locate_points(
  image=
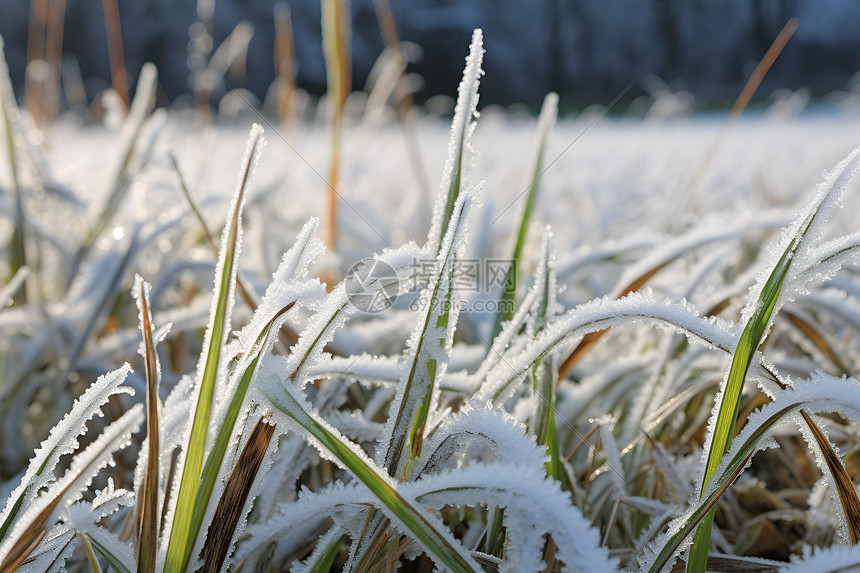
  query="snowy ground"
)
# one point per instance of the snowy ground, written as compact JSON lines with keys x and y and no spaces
{"x":605,"y":179}
{"x":617,"y":193}
{"x":602,"y":180}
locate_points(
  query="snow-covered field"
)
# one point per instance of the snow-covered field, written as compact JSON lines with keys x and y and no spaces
{"x":364,"y":436}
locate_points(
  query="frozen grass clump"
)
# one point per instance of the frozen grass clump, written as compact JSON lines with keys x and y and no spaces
{"x":647,"y":380}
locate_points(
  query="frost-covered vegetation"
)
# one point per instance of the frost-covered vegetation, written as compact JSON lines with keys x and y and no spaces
{"x":670,"y":359}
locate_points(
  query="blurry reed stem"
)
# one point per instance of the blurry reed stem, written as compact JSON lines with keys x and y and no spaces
{"x":113,"y":29}
{"x":35,"y":52}
{"x":286,"y":85}
{"x":743,"y":100}
{"x":54,"y":57}
{"x":336,"y":39}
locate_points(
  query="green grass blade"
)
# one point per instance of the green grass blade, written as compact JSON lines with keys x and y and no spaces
{"x":459,"y":147}
{"x":180,"y":546}
{"x":751,"y":338}
{"x":209,"y":474}
{"x":440,"y":545}
{"x":112,"y":560}
{"x":548,"y":113}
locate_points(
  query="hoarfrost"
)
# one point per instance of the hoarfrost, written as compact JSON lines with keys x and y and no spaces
{"x":801,"y":235}
{"x":61,"y":441}
{"x":636,"y":308}
{"x":831,"y":559}
{"x":504,"y":435}
{"x":460,"y":152}
{"x":534,"y":505}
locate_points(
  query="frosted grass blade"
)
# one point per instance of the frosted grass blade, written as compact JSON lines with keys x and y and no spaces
{"x":460,"y":152}
{"x":147,"y":505}
{"x":534,"y":506}
{"x":636,"y":308}
{"x":180,"y":545}
{"x":821,"y":394}
{"x":61,"y":441}
{"x":842,"y":481}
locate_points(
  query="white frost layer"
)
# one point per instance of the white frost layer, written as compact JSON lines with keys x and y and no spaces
{"x":61,"y":441}
{"x":533,"y":505}
{"x":636,"y":308}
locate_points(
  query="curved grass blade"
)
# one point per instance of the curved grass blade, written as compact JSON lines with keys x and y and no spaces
{"x":147,"y":506}
{"x":546,"y":121}
{"x":441,"y":545}
{"x":844,"y":485}
{"x":637,"y":308}
{"x":534,"y":507}
{"x":179,"y":546}
{"x":751,"y":338}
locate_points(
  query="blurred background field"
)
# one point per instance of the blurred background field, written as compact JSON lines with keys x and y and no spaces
{"x":587,"y":51}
